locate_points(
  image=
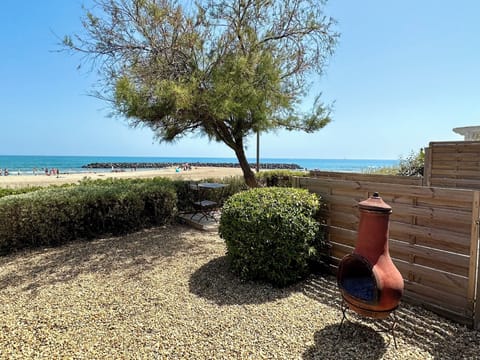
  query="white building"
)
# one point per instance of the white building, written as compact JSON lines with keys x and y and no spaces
{"x":470,"y":133}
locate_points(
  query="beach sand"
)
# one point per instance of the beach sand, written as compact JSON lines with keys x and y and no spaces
{"x":199,"y":173}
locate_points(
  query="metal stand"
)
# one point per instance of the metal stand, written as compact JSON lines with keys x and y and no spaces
{"x":390,"y":329}
{"x":206,"y":208}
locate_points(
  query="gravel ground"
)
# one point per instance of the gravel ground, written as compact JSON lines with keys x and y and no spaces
{"x":166,"y":293}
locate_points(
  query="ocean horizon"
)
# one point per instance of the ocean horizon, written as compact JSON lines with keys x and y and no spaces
{"x":29,"y":164}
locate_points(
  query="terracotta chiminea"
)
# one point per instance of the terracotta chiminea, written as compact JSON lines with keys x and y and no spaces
{"x":369,"y":282}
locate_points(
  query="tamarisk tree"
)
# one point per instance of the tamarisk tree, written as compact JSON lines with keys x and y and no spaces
{"x":222,"y":68}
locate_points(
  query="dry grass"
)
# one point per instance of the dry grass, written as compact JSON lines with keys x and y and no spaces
{"x":166,"y":293}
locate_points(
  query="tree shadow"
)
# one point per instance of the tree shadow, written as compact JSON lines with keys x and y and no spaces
{"x":414,"y":326}
{"x":132,"y":255}
{"x":214,"y":281}
{"x":352,"y":341}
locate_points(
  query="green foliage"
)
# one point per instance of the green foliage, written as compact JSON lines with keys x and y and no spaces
{"x":57,"y":215}
{"x":281,"y":178}
{"x":385,"y":170}
{"x":413,"y":164}
{"x":271,"y":234}
{"x":16,"y":191}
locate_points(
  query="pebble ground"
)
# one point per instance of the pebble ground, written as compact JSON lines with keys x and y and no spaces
{"x":166,"y":293}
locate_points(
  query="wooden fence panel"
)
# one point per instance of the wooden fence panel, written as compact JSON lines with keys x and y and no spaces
{"x":454,"y":164}
{"x":432,"y":239}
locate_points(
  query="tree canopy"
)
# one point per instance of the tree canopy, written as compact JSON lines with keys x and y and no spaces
{"x":225,"y":69}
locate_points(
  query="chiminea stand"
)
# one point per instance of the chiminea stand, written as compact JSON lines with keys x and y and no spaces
{"x":390,"y":329}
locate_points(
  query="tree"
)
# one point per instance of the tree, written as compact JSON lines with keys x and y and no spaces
{"x":221,"y":68}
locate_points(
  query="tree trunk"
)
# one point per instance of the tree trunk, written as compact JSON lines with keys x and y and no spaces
{"x":248,"y":174}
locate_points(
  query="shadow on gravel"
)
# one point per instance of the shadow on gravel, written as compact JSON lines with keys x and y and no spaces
{"x":353,"y":341}
{"x":129,"y":255}
{"x":415,"y":326}
{"x":215,"y":282}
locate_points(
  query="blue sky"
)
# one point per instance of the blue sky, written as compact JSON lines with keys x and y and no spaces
{"x":404,"y":73}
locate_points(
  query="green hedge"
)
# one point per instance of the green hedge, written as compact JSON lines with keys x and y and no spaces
{"x":43,"y":216}
{"x":17,"y":191}
{"x":281,"y":178}
{"x":272,"y":234}
{"x":57,"y":215}
{"x":39,"y":216}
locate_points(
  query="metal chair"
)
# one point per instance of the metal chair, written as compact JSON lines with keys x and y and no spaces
{"x":201,"y":206}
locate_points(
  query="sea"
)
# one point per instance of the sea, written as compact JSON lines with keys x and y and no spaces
{"x":31,"y":164}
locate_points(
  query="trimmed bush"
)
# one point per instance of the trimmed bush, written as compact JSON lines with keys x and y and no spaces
{"x":280,"y":178}
{"x":271,"y":233}
{"x":11,"y":191}
{"x":56,"y":215}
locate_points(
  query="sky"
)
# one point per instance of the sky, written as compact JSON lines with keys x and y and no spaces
{"x":404,"y":74}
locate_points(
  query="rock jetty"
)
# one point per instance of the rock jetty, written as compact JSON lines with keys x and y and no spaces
{"x":160,"y":165}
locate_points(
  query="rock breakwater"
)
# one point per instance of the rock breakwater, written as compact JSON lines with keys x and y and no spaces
{"x":161,"y":165}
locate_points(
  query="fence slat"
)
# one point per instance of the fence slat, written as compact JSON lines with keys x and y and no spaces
{"x":441,"y":239}
{"x":437,"y":297}
{"x":430,"y":257}
{"x":473,"y":285}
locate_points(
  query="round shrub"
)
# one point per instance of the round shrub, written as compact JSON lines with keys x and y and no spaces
{"x":270,"y":232}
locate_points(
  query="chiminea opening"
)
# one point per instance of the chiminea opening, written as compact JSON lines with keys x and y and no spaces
{"x":357,"y":278}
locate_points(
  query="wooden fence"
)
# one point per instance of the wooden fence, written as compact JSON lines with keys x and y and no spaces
{"x":453,"y":164}
{"x":434,"y":235}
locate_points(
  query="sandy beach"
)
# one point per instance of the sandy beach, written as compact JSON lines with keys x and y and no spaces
{"x":16,"y":181}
